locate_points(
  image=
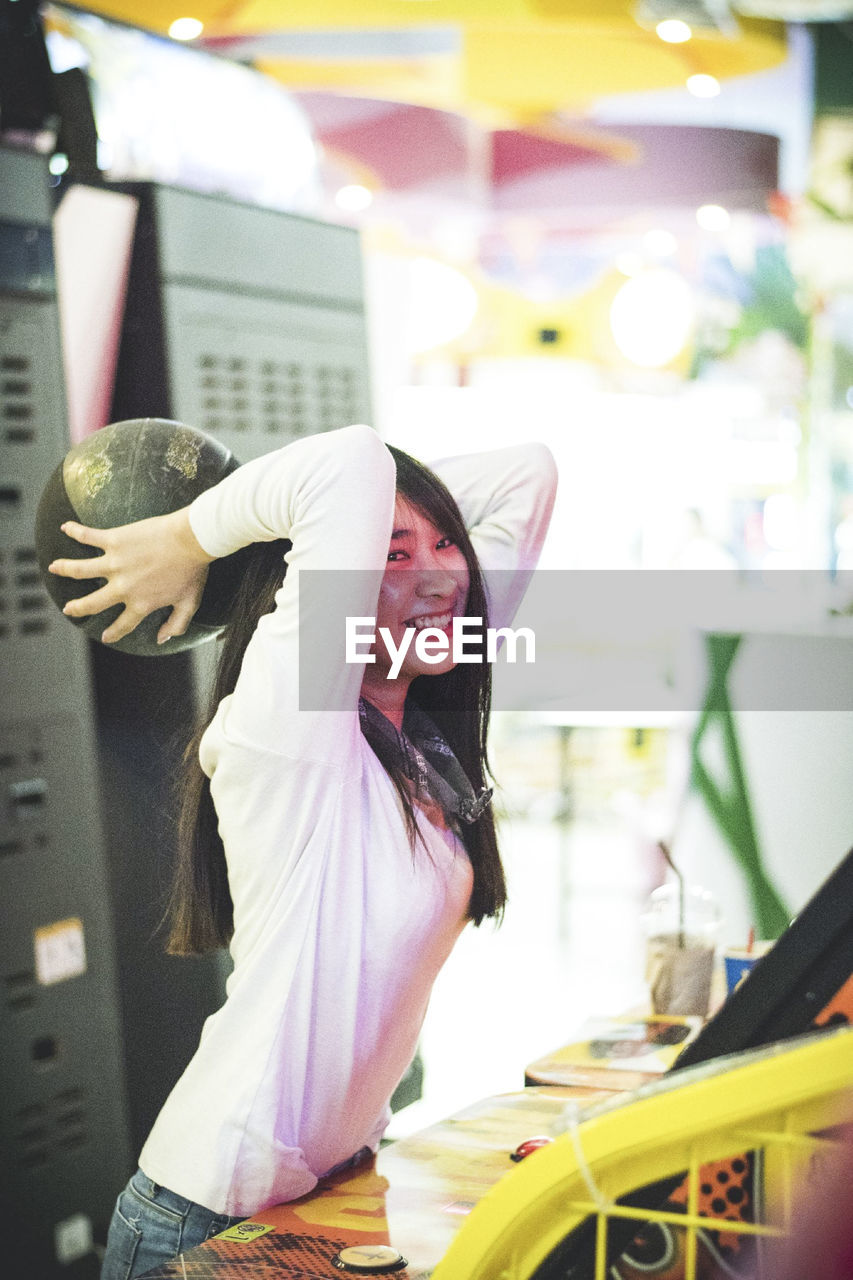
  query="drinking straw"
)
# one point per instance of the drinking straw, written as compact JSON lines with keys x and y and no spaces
{"x":750,"y":942}
{"x":681,"y":894}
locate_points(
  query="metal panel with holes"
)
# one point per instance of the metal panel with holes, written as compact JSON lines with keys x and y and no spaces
{"x":63,"y":1122}
{"x":37,"y":652}
{"x":62,"y":1114}
{"x":32,"y":415}
{"x":266,"y":372}
{"x":245,"y":322}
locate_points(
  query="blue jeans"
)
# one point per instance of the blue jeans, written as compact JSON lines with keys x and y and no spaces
{"x":151,"y":1225}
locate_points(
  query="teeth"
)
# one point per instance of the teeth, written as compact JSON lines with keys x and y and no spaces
{"x":438,"y":620}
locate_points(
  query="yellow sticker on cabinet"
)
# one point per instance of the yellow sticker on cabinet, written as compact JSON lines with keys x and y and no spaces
{"x":245,"y":1231}
{"x":60,"y":951}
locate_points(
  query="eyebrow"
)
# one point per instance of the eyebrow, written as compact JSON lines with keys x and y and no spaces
{"x":401,"y":533}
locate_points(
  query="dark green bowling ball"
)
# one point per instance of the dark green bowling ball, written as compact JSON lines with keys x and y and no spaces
{"x":129,"y":471}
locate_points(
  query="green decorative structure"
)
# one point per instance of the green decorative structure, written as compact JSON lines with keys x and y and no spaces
{"x":728,"y":802}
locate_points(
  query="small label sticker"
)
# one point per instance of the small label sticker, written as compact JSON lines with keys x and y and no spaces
{"x":245,"y":1231}
{"x":60,"y":951}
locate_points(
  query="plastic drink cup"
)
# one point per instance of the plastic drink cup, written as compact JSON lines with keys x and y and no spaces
{"x":739,"y":961}
{"x":681,"y":931}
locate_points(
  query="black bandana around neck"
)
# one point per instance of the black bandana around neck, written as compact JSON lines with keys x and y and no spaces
{"x":427,"y":759}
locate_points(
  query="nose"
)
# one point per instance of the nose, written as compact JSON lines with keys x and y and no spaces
{"x":435,"y":581}
{"x":435,"y":577}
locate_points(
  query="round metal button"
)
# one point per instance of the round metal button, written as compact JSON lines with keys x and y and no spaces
{"x":369,"y":1259}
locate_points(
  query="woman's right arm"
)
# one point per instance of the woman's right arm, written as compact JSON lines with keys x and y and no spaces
{"x":332,"y":496}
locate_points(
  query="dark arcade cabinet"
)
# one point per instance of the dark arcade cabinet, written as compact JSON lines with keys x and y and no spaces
{"x":248,"y":323}
{"x":63,"y":1116}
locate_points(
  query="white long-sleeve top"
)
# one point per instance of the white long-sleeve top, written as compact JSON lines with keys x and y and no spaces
{"x":340,"y":928}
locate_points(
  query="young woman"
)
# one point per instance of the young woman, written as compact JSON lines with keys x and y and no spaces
{"x":337,"y":841}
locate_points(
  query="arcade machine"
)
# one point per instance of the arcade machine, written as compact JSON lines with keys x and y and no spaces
{"x":63,"y":1119}
{"x":702,"y":1173}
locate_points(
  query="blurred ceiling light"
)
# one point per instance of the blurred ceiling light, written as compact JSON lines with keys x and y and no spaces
{"x":713,"y":217}
{"x":673,"y":31}
{"x":353,"y":198}
{"x":651,"y":317}
{"x":186,"y":29}
{"x":660,"y":243}
{"x":58,"y":163}
{"x":442,"y":304}
{"x":702,"y":86}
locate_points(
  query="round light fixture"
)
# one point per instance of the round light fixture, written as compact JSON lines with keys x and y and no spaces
{"x":442,"y":304}
{"x":651,"y":317}
{"x":353,"y":198}
{"x":713,"y":217}
{"x":186,"y":29}
{"x":702,"y":86}
{"x":673,"y":31}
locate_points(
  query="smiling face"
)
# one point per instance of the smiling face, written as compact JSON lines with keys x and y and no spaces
{"x":425,"y":585}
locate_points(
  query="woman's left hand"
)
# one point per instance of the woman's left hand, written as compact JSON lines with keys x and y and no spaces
{"x":147,"y":565}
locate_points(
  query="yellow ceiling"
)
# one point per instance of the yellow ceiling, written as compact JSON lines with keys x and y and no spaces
{"x":517,"y":59}
{"x":229,"y":16}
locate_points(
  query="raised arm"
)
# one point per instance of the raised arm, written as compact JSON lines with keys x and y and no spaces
{"x":332,"y":496}
{"x":506,"y":497}
{"x":314,"y":492}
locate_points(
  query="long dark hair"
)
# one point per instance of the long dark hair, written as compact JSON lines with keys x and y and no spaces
{"x":200,"y":910}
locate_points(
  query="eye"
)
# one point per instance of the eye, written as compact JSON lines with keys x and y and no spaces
{"x":443,"y":543}
{"x":393,"y":556}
